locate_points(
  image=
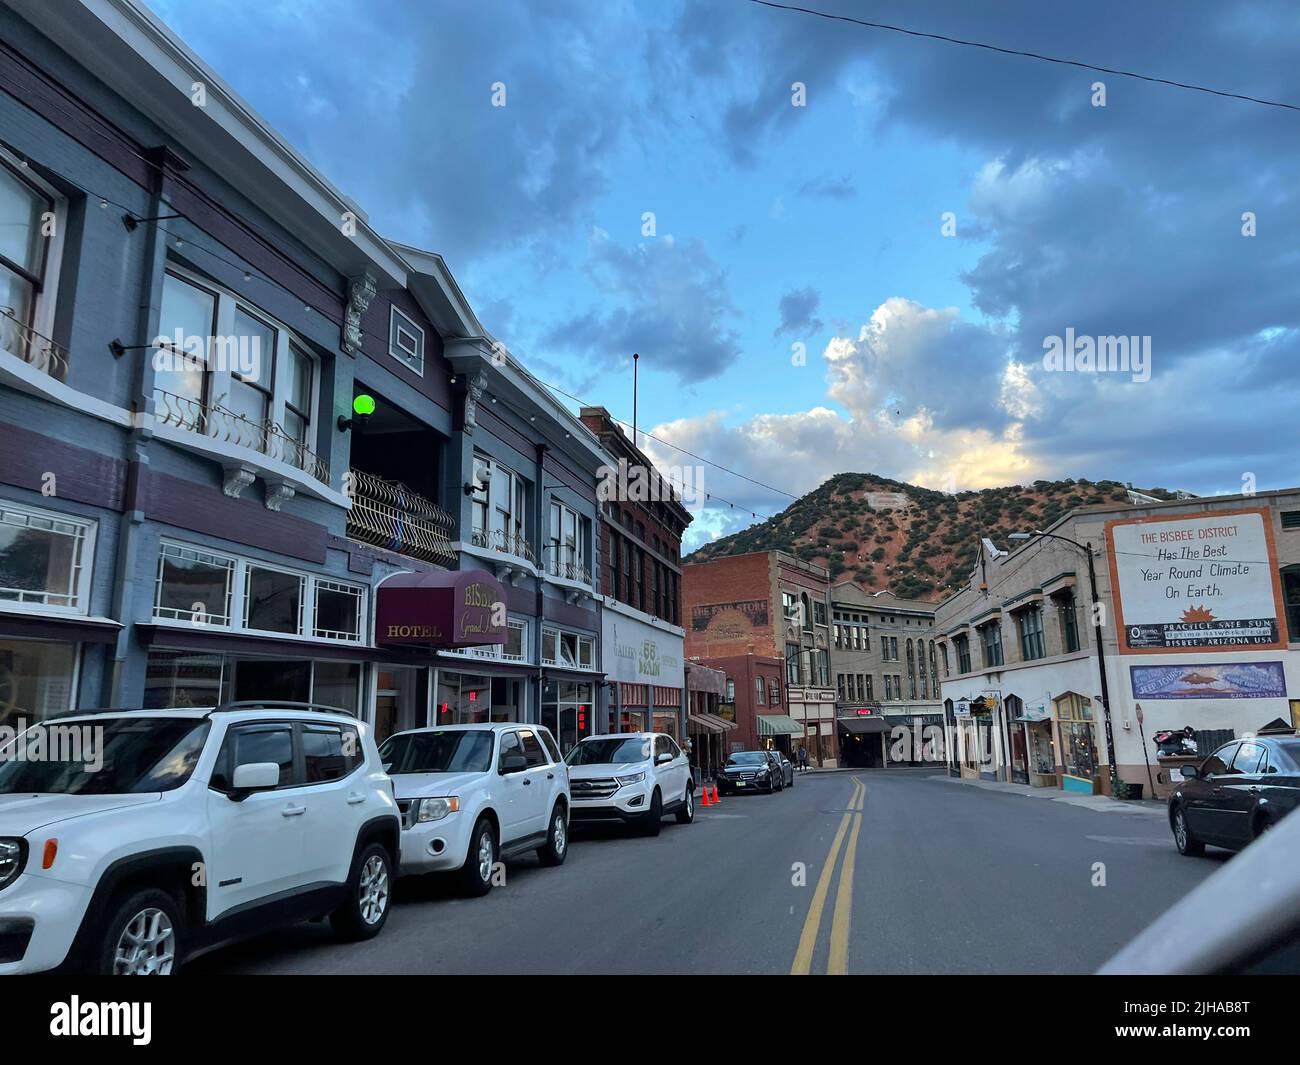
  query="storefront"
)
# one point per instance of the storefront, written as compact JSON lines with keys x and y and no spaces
{"x":645,"y":663}
{"x":568,"y":710}
{"x":1078,"y":744}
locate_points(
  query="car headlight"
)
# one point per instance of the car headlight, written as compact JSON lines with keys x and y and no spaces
{"x":631,"y":778}
{"x":12,"y":854}
{"x":437,"y":809}
{"x":761,"y":773}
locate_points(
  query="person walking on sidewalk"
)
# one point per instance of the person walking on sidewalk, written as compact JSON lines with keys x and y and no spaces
{"x":803,"y":759}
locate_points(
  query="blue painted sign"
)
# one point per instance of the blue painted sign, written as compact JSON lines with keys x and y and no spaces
{"x":1252,"y":680}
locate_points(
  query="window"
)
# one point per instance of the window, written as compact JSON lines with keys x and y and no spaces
{"x":1065,"y":605}
{"x":567,"y":544}
{"x":37,"y":679}
{"x":819,"y":612}
{"x":1291,"y":594}
{"x":533,"y":750}
{"x":962,"y":643}
{"x":1249,"y":758}
{"x":513,"y":649}
{"x":1030,"y":624}
{"x":568,"y":649}
{"x":638,"y":579}
{"x":731,"y":690}
{"x":793,"y":672}
{"x":615,"y":570}
{"x":26,"y":263}
{"x":45,"y":559}
{"x":405,"y":341}
{"x":194,"y":585}
{"x":822,"y":660}
{"x":338,"y":611}
{"x":273,"y":601}
{"x":327,"y":754}
{"x":789,"y":605}
{"x":911,"y":672}
{"x":774,"y":692}
{"x":805,"y":612}
{"x":991,"y":642}
{"x":870,"y":695}
{"x":224,"y":369}
{"x":510,"y":745}
{"x":759,"y":691}
{"x":254,"y":743}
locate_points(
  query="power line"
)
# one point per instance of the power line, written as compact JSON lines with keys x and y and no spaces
{"x":1026,"y":55}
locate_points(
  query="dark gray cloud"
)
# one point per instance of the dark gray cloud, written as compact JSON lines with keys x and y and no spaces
{"x":799,"y":313}
{"x":665,"y":299}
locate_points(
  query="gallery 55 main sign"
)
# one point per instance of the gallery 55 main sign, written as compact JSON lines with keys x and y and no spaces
{"x":1196,"y":582}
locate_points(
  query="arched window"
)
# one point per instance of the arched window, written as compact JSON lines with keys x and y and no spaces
{"x":805,"y":610}
{"x":920,"y":669}
{"x":911,"y":672}
{"x":934,"y":673}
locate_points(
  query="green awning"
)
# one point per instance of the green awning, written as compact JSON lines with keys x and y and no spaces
{"x":779,"y":725}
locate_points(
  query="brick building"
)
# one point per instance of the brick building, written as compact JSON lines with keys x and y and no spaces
{"x":775,"y":609}
{"x":640,"y":532}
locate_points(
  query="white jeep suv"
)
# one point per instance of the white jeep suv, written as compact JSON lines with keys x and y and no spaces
{"x":130,"y":839}
{"x":635,"y":777}
{"x":471,"y":795}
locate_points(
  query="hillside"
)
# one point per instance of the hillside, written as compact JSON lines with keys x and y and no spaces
{"x":916,"y":542}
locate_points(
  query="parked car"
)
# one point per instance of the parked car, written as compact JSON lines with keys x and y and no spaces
{"x":746,"y":771}
{"x":151,"y":835}
{"x":635,"y":777}
{"x":1236,"y":794}
{"x":472,"y":795}
{"x":784,"y":769}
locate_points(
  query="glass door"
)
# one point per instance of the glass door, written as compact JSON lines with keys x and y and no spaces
{"x":401,"y":700}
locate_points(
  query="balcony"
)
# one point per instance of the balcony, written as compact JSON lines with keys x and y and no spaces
{"x":568,"y":569}
{"x":37,"y":351}
{"x":387,"y":514}
{"x":224,"y":426}
{"x":505,"y":542}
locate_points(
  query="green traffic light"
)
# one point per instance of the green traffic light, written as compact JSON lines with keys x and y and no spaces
{"x":363,"y":405}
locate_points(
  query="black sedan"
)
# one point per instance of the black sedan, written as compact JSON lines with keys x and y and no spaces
{"x":746,"y":771}
{"x":1240,"y":791}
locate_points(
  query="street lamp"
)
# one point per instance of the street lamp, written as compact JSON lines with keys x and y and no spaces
{"x":1086,"y":548}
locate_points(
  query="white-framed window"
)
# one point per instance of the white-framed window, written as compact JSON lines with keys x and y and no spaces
{"x":515,"y":649}
{"x":498,"y":506}
{"x":569,"y":649}
{"x":224,"y":368}
{"x":32,"y":217}
{"x":405,"y":340}
{"x":212,"y":588}
{"x":567,"y":542}
{"x":45,"y":559}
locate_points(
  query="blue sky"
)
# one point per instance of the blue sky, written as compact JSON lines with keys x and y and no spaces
{"x":821,"y":224}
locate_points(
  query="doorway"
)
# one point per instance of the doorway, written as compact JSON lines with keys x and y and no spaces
{"x":401,"y":700}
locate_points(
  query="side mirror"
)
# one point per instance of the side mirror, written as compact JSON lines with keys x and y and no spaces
{"x":253,"y":776}
{"x":663,"y":759}
{"x":1190,"y":772}
{"x":513,"y":763}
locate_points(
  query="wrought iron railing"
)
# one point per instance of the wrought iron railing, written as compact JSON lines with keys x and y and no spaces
{"x":505,"y":542}
{"x":390,"y":515}
{"x":217,"y":423}
{"x":568,"y":568}
{"x":30,"y":346}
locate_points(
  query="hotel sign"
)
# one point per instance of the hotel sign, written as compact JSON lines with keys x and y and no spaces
{"x":465,"y":609}
{"x":1196,"y":582}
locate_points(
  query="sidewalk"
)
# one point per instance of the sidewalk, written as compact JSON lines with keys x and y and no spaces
{"x":1100,"y":803}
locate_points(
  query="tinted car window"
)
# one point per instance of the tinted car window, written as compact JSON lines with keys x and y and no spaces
{"x":1217,"y":764}
{"x":533,"y":749}
{"x":549,"y":742}
{"x":661,"y":746}
{"x":461,"y":751}
{"x":325,"y":752}
{"x":509,"y":745}
{"x":255,"y":743}
{"x":609,"y":751}
{"x":1249,"y":758}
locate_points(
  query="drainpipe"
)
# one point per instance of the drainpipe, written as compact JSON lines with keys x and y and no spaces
{"x":115,"y":683}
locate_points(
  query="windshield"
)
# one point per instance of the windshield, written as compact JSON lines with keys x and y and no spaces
{"x":610,"y":751}
{"x":747,"y":758}
{"x":468,"y":751}
{"x":113,"y":756}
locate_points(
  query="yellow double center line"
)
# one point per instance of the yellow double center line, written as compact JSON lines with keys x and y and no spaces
{"x":837,"y":964}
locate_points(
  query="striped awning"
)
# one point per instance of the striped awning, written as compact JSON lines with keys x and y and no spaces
{"x":779,"y":725}
{"x":709,"y":723}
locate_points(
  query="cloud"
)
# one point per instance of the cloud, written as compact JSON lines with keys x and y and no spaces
{"x":665,"y":299}
{"x":799,"y":313}
{"x":828,"y":188}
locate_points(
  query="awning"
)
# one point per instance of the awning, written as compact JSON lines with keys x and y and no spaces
{"x":709,"y":723}
{"x":56,"y":627}
{"x":779,"y":725}
{"x":441,"y":609}
{"x":863,"y":726}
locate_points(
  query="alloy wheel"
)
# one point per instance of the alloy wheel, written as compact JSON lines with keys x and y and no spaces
{"x":374,"y":889}
{"x":560,"y":833}
{"x":485,"y":856}
{"x":147,"y":945}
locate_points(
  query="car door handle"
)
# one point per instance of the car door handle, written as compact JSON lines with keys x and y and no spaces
{"x":527,"y":782}
{"x":293,"y":811}
{"x":1255,"y":788}
{"x":354,"y":798}
{"x":550,"y":776}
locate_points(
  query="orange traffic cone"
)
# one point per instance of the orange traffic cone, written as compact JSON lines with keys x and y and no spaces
{"x":705,"y":801}
{"x":716,"y":800}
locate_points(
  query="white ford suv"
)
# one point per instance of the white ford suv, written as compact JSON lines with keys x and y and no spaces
{"x":130,"y":839}
{"x":635,"y":777}
{"x":471,"y":795}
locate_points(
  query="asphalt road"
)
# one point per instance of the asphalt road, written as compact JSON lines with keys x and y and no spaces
{"x":926,"y":876}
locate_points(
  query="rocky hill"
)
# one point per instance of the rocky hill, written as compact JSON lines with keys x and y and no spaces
{"x":916,"y":542}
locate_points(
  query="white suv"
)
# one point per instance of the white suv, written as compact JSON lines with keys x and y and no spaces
{"x":130,"y":839}
{"x":471,"y":795}
{"x":635,"y":777}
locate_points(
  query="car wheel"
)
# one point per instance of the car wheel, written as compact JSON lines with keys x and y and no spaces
{"x":370,"y":892}
{"x":1183,"y":839}
{"x":476,"y":874}
{"x":143,"y":938}
{"x":686,"y":812}
{"x":654,"y":817}
{"x":557,"y":839}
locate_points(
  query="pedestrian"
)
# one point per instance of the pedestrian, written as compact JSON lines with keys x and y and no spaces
{"x":803,"y":758}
